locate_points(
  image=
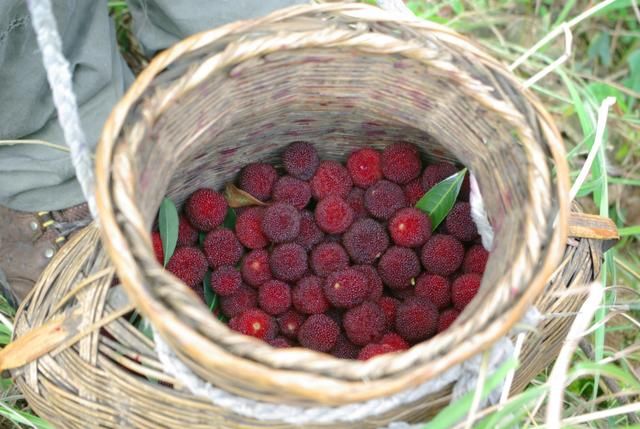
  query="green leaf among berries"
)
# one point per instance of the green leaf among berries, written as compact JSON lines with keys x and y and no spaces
{"x":168,"y":222}
{"x":210,"y":297}
{"x":439,"y":201}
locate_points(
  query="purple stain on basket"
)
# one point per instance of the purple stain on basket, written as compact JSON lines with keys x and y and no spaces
{"x":420,"y":99}
{"x":262,"y":129}
{"x":304,"y":121}
{"x":317,"y":59}
{"x":401,"y":64}
{"x":281,"y":93}
{"x":294,"y":133}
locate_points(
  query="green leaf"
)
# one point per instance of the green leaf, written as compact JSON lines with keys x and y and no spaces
{"x":455,"y":411}
{"x":210,"y":297}
{"x":201,"y":237}
{"x":230,"y":219}
{"x":629,"y":230}
{"x":168,"y":222}
{"x":437,"y":203}
{"x":145,"y":327}
{"x":600,"y":48}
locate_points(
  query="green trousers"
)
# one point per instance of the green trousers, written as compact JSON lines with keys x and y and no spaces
{"x":35,"y":177}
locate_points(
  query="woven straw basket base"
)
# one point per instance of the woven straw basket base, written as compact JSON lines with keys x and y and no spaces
{"x":340,"y":76}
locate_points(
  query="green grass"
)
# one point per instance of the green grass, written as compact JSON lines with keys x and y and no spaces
{"x":605,"y":62}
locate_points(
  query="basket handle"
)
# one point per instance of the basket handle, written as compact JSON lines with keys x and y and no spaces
{"x":583,"y":225}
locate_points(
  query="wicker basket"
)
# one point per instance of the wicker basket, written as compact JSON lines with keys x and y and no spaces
{"x":340,"y":76}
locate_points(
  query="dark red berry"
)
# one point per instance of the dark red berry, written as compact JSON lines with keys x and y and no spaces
{"x":256,"y":323}
{"x":293,"y":191}
{"x":255,"y":267}
{"x":301,"y":160}
{"x":365,"y":167}
{"x":346,"y":288}
{"x":310,"y":233}
{"x":365,"y":241}
{"x":383,"y":199}
{"x":318,"y":332}
{"x":290,"y":322}
{"x":288,"y":262}
{"x":187,"y":234}
{"x":156,"y":241}
{"x":281,"y":222}
{"x":394,"y":341}
{"x":206,"y":209}
{"x":331,"y":178}
{"x":327,"y":258}
{"x":464,"y":289}
{"x":244,"y":299}
{"x":446,"y":319}
{"x":333,"y":215}
{"x":416,"y":319}
{"x":274,"y":297}
{"x":399,"y":267}
{"x":375,"y":282}
{"x":435,"y":288}
{"x":475,"y":260}
{"x":249,"y":228}
{"x":372,"y":350}
{"x":345,"y":349}
{"x":355,"y":199}
{"x":436,"y":173}
{"x":401,"y":163}
{"x":413,"y":191}
{"x":460,"y":224}
{"x":222,"y":248}
{"x":226,"y":280}
{"x":189,"y":265}
{"x":258,"y":179}
{"x":308,"y":296}
{"x":389,"y":307}
{"x":442,"y":254}
{"x":364,"y":324}
{"x":410,"y":227}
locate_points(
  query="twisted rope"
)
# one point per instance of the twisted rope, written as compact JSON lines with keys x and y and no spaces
{"x":59,"y":77}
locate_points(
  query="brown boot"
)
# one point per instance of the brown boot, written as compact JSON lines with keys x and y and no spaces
{"x":28,"y":241}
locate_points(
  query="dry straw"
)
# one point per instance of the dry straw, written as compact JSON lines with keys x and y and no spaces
{"x":340,"y":76}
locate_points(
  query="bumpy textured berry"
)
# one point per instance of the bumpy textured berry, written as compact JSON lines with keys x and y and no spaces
{"x":375,"y":282}
{"x":187,"y":234}
{"x":446,"y":319}
{"x":436,"y":173}
{"x":365,"y":241}
{"x":465,"y":188}
{"x":279,"y":343}
{"x":333,"y":215}
{"x":475,"y":260}
{"x":249,"y":228}
{"x":156,"y":241}
{"x":389,"y":307}
{"x":442,"y":254}
{"x":416,"y":319}
{"x":222,"y":248}
{"x":383,"y":199}
{"x":401,"y":163}
{"x":301,"y":160}
{"x":189,"y":265}
{"x":310,"y":234}
{"x":258,"y":179}
{"x":327,"y":258}
{"x":413,"y":191}
{"x":255,"y":267}
{"x":256,"y":323}
{"x":281,"y":222}
{"x":364,"y":324}
{"x":319,"y":332}
{"x":460,"y":224}
{"x":464,"y":289}
{"x":345,"y":349}
{"x":435,"y":288}
{"x":371,"y":350}
{"x":274,"y":297}
{"x":308,"y":296}
{"x":226,"y":280}
{"x":398,"y":267}
{"x":290,"y":323}
{"x":394,"y":341}
{"x":355,"y":199}
{"x":293,"y":191}
{"x":365,"y":167}
{"x":206,"y":209}
{"x":244,"y":299}
{"x":410,"y":227}
{"x":346,"y":288}
{"x":331,"y":178}
{"x":288,"y":262}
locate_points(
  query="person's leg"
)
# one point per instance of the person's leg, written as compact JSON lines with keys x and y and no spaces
{"x":37,"y":178}
{"x":160,"y":23}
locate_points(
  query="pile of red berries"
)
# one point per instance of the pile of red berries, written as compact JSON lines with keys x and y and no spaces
{"x":339,"y":260}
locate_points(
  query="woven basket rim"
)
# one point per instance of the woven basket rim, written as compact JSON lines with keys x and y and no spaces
{"x":116,"y":243}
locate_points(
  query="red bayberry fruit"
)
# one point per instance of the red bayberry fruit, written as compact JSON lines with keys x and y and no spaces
{"x":279,"y":343}
{"x":308,"y":296}
{"x":244,"y":299}
{"x":413,"y":191}
{"x":256,"y":323}
{"x":249,"y":228}
{"x":416,"y":319}
{"x":319,"y":332}
{"x":281,"y":222}
{"x":355,"y":199}
{"x":333,"y":215}
{"x":375,"y":282}
{"x":327,"y":258}
{"x":410,"y":227}
{"x":331,"y":178}
{"x":398,"y":267}
{"x":189,"y":265}
{"x":310,"y":233}
{"x":288,"y":262}
{"x":365,"y":241}
{"x":225,"y":280}
{"x":301,"y":160}
{"x":206,"y":209}
{"x":346,"y":288}
{"x":389,"y":307}
{"x":460,"y":224}
{"x":290,"y":322}
{"x":401,"y":163}
{"x":274,"y":297}
{"x":365,"y":167}
{"x":383,"y":199}
{"x":187,"y":234}
{"x":293,"y":191}
{"x":345,"y":349}
{"x":475,"y":260}
{"x":442,"y":254}
{"x":446,"y":319}
{"x":255,"y":267}
{"x":371,"y":350}
{"x":156,"y":241}
{"x":222,"y":248}
{"x":364,"y":324}
{"x":258,"y":179}
{"x":394,"y":341}
{"x":436,"y":173}
{"x":464,"y":289}
{"x":435,"y":288}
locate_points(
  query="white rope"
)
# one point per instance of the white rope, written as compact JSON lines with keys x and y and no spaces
{"x":59,"y":77}
{"x":479,"y":214}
